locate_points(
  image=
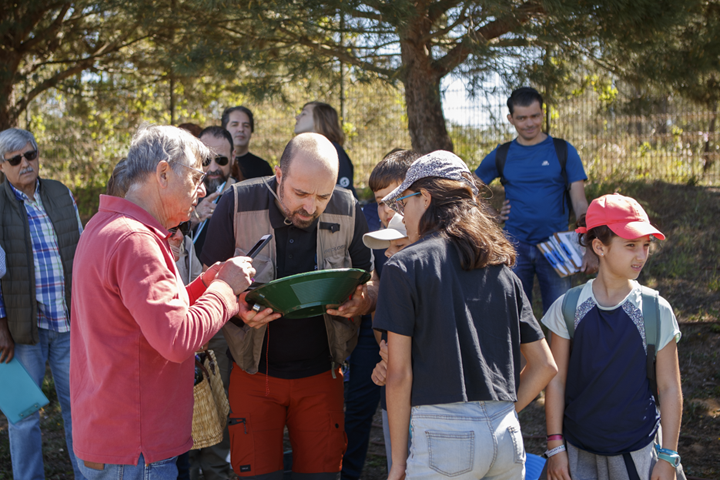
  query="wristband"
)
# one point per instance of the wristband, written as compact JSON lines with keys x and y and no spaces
{"x":554,"y":451}
{"x":670,"y":456}
{"x":554,"y":436}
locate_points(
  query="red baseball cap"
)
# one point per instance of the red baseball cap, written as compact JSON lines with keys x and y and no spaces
{"x":623,"y":215}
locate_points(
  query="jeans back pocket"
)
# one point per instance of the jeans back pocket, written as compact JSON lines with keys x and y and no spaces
{"x":519,"y":446}
{"x":451,"y":453}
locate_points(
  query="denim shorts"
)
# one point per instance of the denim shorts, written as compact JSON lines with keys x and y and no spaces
{"x":466,"y":441}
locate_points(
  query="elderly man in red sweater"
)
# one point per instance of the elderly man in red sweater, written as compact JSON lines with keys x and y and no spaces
{"x":136,"y":326}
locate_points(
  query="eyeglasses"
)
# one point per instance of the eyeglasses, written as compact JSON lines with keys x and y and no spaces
{"x":183,"y":227}
{"x":30,"y":156}
{"x":221,"y":160}
{"x":399,"y":205}
{"x":202,"y":174}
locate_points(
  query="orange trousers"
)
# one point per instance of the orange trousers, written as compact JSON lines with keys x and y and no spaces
{"x":311,"y":408}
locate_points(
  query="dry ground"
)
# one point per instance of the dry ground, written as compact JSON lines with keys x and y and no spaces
{"x":685,"y":269}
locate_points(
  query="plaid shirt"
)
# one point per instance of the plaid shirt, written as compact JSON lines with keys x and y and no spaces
{"x":53,"y":312}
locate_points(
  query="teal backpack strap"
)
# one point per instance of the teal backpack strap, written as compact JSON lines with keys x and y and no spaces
{"x":651,"y":319}
{"x":569,"y":305}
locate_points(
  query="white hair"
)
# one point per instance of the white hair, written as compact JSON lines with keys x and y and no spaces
{"x":152,"y":144}
{"x":14,"y":139}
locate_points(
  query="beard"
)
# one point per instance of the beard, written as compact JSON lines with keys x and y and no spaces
{"x":294,"y":215}
{"x":212,"y":184}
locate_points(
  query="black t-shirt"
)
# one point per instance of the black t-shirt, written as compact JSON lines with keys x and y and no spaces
{"x":298,"y":348}
{"x":346,"y":171}
{"x":466,"y":326}
{"x":252,"y":166}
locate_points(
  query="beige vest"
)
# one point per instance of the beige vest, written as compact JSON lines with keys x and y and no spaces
{"x":335,"y":232}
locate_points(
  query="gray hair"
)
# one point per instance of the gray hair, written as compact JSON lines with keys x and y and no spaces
{"x":14,"y":139}
{"x":152,"y":144}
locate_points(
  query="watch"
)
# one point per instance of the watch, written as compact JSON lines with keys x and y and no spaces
{"x":670,"y":456}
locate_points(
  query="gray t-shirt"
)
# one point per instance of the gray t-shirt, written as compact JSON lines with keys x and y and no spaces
{"x":466,"y":326}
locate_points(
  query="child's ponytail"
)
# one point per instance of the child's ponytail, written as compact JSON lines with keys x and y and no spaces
{"x":602,"y":233}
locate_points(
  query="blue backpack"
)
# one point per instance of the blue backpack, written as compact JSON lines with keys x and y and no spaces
{"x":651,"y":319}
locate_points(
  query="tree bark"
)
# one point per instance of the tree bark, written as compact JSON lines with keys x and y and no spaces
{"x":426,"y":121}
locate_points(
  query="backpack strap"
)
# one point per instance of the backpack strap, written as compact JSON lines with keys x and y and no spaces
{"x":569,"y":306}
{"x":561,"y":150}
{"x":500,"y":158}
{"x":651,"y":319}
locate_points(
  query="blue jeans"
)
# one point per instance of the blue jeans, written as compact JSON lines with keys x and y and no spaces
{"x":25,"y":438}
{"x":161,"y":470}
{"x":531,"y":262}
{"x":361,"y":400}
{"x":466,"y":441}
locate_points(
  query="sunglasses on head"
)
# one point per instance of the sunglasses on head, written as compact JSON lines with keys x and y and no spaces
{"x":30,"y":156}
{"x":220,"y":160}
{"x":183,"y":227}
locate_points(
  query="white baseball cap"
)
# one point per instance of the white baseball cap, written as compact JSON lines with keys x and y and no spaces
{"x":380,"y":239}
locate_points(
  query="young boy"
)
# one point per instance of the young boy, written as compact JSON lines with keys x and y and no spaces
{"x":362,"y":395}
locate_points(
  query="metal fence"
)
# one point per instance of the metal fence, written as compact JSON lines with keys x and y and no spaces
{"x":679,"y":145}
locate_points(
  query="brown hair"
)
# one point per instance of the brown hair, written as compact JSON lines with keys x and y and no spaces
{"x":602,"y":233}
{"x":392,"y":169}
{"x":326,"y":121}
{"x":193,"y":128}
{"x":466,"y":220}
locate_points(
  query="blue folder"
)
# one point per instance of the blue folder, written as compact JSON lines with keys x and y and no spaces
{"x":20,"y":397}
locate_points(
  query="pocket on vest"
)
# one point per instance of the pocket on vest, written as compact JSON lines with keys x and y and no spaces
{"x":264,"y":270}
{"x":342,"y":260}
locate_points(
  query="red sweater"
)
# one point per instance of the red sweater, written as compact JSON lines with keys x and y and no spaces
{"x":133,"y":339}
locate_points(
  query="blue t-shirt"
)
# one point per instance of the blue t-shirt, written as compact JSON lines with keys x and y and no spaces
{"x":535,"y":188}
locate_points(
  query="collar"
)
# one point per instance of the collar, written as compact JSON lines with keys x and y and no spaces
{"x":21,"y":196}
{"x":127,"y":208}
{"x":277,"y":217}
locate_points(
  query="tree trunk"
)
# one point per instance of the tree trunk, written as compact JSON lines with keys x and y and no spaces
{"x":423,"y":101}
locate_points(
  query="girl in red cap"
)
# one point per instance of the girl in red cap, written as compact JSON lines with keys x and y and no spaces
{"x":611,"y":413}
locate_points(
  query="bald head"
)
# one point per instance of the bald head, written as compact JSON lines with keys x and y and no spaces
{"x":310,"y":150}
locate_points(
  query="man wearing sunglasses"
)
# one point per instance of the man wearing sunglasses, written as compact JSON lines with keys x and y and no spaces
{"x":212,"y":460}
{"x":218,"y":167}
{"x":40,"y":232}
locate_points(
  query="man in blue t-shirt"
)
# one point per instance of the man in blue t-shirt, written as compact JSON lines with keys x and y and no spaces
{"x":535,"y":206}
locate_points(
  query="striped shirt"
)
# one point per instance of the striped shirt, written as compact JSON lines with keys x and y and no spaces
{"x":53,"y":311}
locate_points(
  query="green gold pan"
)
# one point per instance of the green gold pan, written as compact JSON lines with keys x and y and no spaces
{"x":309,"y":294}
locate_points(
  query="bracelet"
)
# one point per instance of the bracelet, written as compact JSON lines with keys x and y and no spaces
{"x":670,"y":456}
{"x":554,"y":451}
{"x":554,"y":436}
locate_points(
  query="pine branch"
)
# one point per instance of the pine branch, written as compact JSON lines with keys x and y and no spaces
{"x":487,"y":32}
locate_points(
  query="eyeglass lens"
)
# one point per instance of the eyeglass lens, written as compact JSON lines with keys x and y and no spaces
{"x":15,"y":161}
{"x":221,"y":160}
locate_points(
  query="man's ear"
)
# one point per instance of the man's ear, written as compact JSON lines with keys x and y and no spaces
{"x":162,"y":173}
{"x":278,"y":174}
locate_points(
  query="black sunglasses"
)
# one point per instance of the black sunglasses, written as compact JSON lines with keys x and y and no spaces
{"x":220,"y":160}
{"x":15,"y":161}
{"x":183,"y":227}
